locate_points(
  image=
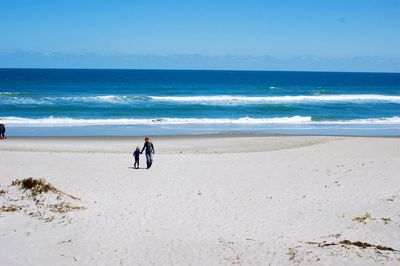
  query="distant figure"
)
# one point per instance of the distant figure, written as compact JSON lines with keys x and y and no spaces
{"x":149,"y":147}
{"x":136,"y":154}
{"x":2,"y":131}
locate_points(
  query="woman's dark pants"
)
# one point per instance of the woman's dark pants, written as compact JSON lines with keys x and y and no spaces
{"x":149,"y":159}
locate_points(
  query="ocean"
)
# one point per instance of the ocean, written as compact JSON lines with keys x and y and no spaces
{"x":72,"y":102}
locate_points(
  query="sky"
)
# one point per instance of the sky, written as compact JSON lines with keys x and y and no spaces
{"x":331,"y":35}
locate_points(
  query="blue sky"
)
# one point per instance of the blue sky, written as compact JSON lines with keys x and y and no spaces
{"x":352,"y":35}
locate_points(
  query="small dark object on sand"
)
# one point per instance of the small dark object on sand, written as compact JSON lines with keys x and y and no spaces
{"x":350,"y":243}
{"x":366,"y":245}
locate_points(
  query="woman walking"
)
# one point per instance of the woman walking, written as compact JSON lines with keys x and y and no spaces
{"x":149,"y":147}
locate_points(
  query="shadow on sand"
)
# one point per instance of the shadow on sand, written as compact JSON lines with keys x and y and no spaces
{"x":140,"y":168}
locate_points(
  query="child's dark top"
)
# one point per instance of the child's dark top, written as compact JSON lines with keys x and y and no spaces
{"x":136,"y":154}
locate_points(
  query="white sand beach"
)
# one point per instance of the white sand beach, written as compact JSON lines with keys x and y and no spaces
{"x":207,"y":200}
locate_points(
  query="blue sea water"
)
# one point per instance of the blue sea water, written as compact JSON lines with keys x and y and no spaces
{"x":153,"y":102}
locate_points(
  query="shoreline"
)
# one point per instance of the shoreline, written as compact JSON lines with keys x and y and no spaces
{"x":193,"y":136}
{"x":173,"y":144}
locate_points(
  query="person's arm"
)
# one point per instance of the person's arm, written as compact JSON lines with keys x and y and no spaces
{"x":152,"y":146}
{"x":143,"y":148}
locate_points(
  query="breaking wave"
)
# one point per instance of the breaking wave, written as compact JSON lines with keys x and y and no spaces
{"x":229,"y":99}
{"x":11,"y":98}
{"x":59,"y":121}
{"x":6,"y":98}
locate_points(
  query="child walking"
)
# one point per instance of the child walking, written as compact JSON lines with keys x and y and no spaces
{"x":136,"y":154}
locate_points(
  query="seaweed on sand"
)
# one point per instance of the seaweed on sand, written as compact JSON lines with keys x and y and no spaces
{"x":386,"y":220}
{"x":342,"y":248}
{"x":363,"y":218}
{"x":359,"y":244}
{"x":367,"y":245}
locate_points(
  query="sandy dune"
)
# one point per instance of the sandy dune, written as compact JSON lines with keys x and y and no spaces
{"x":214,"y":200}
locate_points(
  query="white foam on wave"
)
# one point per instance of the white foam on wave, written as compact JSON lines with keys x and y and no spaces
{"x":116,"y":99}
{"x":21,"y":100}
{"x":230,"y":99}
{"x":8,"y":93}
{"x":98,"y":99}
{"x":208,"y":100}
{"x":54,"y":121}
{"x":365,"y":121}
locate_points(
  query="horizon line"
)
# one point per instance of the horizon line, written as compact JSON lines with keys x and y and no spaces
{"x":194,"y":69}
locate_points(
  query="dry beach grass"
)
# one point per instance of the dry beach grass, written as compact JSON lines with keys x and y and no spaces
{"x":37,"y":198}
